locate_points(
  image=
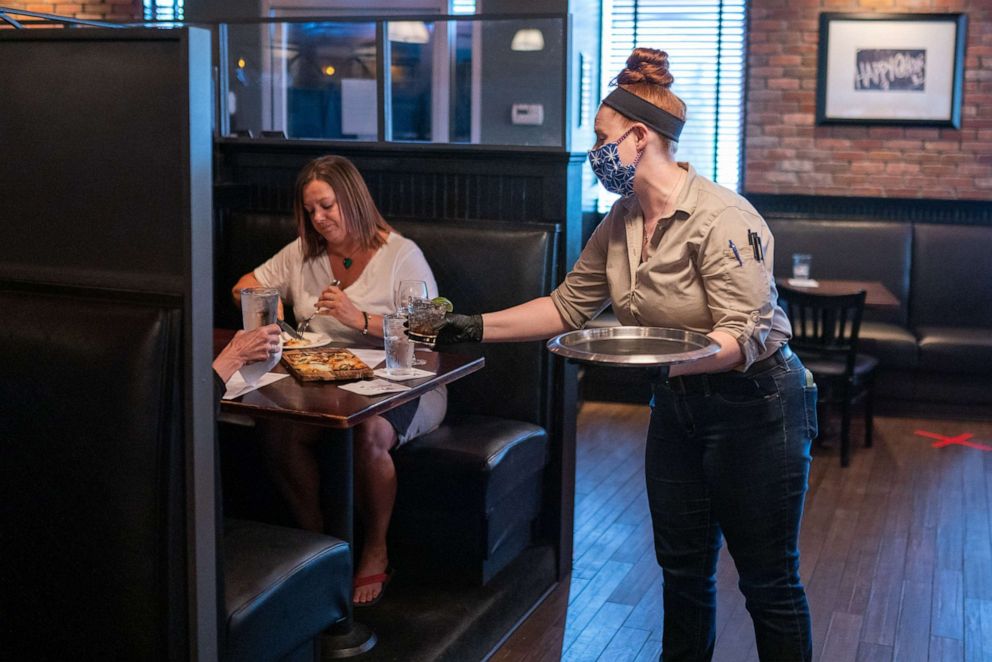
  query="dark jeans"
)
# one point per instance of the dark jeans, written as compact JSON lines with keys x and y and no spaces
{"x":729,"y":453}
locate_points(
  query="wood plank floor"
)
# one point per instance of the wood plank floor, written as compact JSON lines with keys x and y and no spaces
{"x":896,"y":552}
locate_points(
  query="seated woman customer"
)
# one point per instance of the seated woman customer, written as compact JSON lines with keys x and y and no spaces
{"x":346,"y":264}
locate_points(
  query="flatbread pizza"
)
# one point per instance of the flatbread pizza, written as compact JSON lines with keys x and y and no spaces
{"x":326,"y":364}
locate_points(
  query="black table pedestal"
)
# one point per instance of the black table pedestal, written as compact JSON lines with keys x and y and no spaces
{"x":336,"y":460}
{"x":346,"y":640}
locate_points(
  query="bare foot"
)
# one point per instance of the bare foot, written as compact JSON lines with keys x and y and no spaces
{"x":374,"y":561}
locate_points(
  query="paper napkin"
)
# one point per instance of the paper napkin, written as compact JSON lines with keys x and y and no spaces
{"x":373,"y":387}
{"x":414,"y":373}
{"x":236,"y":386}
{"x":371,"y":357}
{"x":804,"y":282}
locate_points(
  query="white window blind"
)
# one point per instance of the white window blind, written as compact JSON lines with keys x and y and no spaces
{"x":163,"y":10}
{"x":704,"y":40}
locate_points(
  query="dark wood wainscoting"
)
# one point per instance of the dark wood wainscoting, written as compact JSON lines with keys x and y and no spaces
{"x":962,"y":212}
{"x":419,"y":181}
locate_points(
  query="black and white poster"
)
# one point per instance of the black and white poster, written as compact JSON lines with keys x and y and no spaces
{"x":899,"y":69}
{"x":891,"y":69}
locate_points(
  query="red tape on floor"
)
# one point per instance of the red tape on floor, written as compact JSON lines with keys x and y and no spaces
{"x":960,"y":440}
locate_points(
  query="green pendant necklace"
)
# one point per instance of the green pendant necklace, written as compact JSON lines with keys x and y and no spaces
{"x":347,"y":263}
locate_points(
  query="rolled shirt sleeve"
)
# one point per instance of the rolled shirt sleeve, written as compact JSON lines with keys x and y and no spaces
{"x":585,"y":292}
{"x":739,"y":288}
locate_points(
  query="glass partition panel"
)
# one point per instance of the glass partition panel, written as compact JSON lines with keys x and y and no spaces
{"x":303,"y":80}
{"x":412,"y":47}
{"x":483,"y":81}
{"x":518,"y":66}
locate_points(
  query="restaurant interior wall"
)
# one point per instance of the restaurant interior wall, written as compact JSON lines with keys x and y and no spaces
{"x":104,"y":10}
{"x":786,"y":153}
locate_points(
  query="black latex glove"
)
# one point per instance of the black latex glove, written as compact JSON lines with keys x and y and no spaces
{"x":460,"y":328}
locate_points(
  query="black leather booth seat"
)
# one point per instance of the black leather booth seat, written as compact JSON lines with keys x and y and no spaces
{"x":272,"y":578}
{"x":864,"y":251}
{"x":937,"y":346}
{"x":952,"y":298}
{"x":469,"y":492}
{"x":93,"y":466}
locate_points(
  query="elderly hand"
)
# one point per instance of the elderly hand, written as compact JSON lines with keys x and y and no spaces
{"x":247,"y":347}
{"x":334,"y":302}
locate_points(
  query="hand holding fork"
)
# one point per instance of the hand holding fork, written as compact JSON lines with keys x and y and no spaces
{"x":302,"y":326}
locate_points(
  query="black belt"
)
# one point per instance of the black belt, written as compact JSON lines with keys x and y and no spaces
{"x":708,"y":382}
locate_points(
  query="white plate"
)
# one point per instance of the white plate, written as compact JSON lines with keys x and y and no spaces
{"x":316,"y":340}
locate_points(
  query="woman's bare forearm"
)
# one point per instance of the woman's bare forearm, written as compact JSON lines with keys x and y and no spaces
{"x":535,"y":320}
{"x":729,"y":357}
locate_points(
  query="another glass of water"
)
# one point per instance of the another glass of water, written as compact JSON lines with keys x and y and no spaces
{"x":399,"y":348}
{"x":802,"y":264}
{"x":259,"y":306}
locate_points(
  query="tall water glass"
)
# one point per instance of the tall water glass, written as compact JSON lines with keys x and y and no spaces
{"x":801,"y":265}
{"x":259,"y":306}
{"x":399,"y":348}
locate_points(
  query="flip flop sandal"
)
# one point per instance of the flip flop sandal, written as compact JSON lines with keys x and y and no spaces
{"x":384,"y":578}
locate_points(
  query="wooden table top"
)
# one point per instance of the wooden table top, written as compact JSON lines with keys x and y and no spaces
{"x":324,"y":404}
{"x":876,"y":294}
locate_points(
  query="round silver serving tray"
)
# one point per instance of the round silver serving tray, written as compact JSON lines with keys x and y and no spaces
{"x":633,"y":346}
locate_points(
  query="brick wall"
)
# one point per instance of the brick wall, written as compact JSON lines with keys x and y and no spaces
{"x":786,"y":152}
{"x":102,"y":10}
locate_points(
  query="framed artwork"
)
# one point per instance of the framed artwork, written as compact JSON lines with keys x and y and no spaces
{"x":897,"y":69}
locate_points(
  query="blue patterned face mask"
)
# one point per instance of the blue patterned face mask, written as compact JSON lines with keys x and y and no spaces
{"x":612,"y":174}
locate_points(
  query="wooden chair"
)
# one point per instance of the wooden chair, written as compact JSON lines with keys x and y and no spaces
{"x":825,"y":335}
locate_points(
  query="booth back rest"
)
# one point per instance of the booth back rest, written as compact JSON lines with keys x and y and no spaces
{"x":483,"y":267}
{"x":952,"y":276}
{"x":850,"y":250}
{"x":242,"y":242}
{"x":93,"y":475}
{"x":480,"y":266}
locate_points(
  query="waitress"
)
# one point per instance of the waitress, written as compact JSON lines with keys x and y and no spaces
{"x":728,"y":447}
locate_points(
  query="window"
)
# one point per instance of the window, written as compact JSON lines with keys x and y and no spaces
{"x":704,"y":40}
{"x":163,"y":10}
{"x":462,"y":6}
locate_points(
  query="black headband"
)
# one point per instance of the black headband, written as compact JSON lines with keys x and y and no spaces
{"x":635,"y":108}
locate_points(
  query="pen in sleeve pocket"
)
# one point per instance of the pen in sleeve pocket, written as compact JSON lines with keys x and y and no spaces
{"x":736,"y":253}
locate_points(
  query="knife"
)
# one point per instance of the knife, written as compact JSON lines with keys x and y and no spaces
{"x":288,"y":329}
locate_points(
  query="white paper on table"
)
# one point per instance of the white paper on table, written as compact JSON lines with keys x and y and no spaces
{"x":236,"y":386}
{"x":371,"y":357}
{"x":373,"y":387}
{"x":803,"y":282}
{"x":414,"y":373}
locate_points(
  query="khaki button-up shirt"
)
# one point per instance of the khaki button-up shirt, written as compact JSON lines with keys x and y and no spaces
{"x":700,"y":273}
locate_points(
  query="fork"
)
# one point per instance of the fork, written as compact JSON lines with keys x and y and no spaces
{"x":302,"y":326}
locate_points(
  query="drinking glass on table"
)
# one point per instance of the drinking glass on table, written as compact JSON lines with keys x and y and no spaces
{"x":406,"y":292}
{"x":426,"y":319}
{"x":802,"y":264}
{"x":399,"y":348}
{"x":258,"y":308}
